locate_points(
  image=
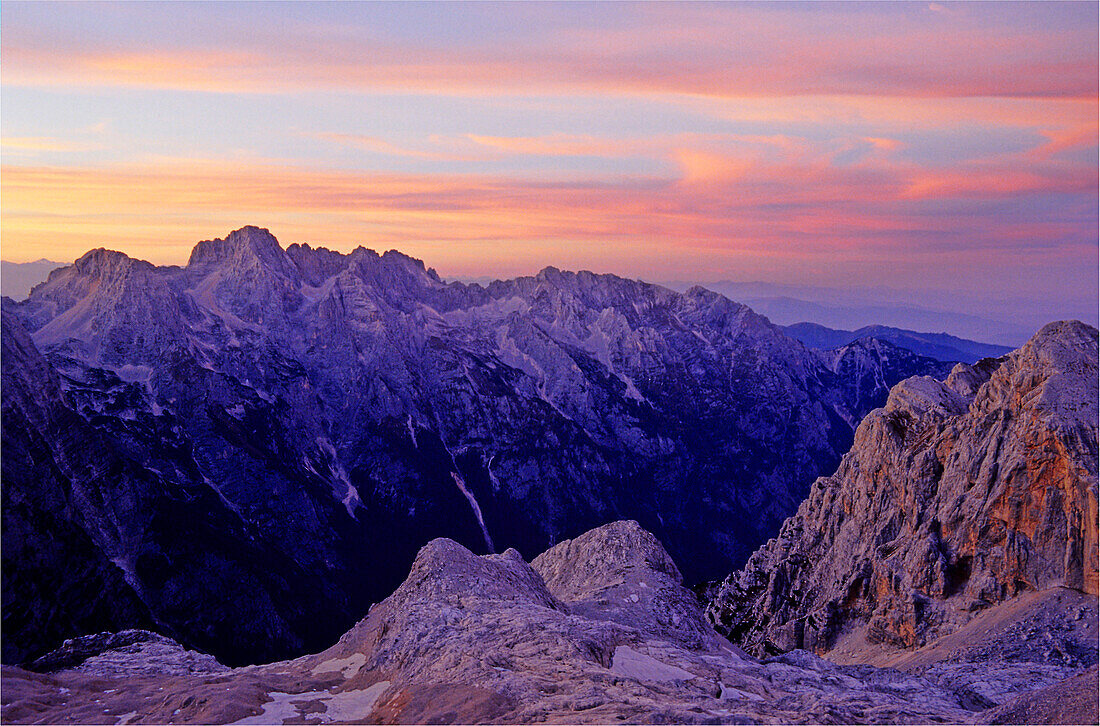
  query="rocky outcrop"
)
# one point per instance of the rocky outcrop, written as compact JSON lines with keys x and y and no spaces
{"x":313,"y":418}
{"x":621,"y":573}
{"x":483,"y":639}
{"x":955,"y":497}
{"x":127,"y":653}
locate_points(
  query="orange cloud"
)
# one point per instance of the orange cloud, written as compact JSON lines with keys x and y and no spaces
{"x":31,"y":144}
{"x":992,"y":181}
{"x":727,"y":204}
{"x":1081,"y":136}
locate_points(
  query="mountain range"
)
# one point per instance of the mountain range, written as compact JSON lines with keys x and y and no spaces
{"x":940,"y":346}
{"x":17,"y":278}
{"x":249,"y":450}
{"x":1005,"y":317}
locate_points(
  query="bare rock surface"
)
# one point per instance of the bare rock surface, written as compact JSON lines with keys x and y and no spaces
{"x":1073,"y":701}
{"x":128,"y":653}
{"x":955,"y":497}
{"x":483,"y":639}
{"x":621,"y":573}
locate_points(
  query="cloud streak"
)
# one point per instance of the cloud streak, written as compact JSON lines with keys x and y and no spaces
{"x":890,"y":141}
{"x":984,"y":50}
{"x":807,"y":208}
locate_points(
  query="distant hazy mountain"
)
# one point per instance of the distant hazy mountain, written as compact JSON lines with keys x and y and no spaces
{"x":940,"y":346}
{"x":17,"y":278}
{"x":852,"y":308}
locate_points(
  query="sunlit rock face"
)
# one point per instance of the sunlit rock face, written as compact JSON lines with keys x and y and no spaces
{"x":258,"y":443}
{"x":956,"y":496}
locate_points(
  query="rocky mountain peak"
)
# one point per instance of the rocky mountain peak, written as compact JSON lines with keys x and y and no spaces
{"x":924,"y":395}
{"x":106,"y":263}
{"x":245,"y":244}
{"x":444,"y":569}
{"x":1053,"y":376}
{"x":411,"y":263}
{"x":620,"y":572}
{"x":1063,"y":342}
{"x":549,"y":274}
{"x":578,"y":568}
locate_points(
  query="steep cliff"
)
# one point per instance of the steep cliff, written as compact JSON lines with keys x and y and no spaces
{"x":955,"y":496}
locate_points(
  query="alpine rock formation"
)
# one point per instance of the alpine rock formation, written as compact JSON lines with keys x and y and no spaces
{"x":597,"y":629}
{"x":244,"y":452}
{"x":959,"y":500}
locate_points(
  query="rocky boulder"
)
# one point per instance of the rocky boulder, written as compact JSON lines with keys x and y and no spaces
{"x":620,"y":572}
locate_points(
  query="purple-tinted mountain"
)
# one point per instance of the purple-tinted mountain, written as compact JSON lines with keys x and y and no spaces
{"x":17,"y":278}
{"x":941,"y":346}
{"x":245,"y":452}
{"x":867,"y":368}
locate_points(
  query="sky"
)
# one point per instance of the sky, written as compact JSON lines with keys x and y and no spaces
{"x":934,"y":148}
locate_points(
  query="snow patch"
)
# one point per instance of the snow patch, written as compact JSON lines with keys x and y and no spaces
{"x":461,"y":484}
{"x":346,"y":707}
{"x":350,"y":495}
{"x":347,"y":667}
{"x":639,"y":666}
{"x":727,"y":693}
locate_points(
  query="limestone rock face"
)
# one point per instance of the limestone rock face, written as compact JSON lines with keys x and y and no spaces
{"x":955,"y":496}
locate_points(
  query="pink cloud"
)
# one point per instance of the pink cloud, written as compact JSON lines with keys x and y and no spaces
{"x":780,"y":50}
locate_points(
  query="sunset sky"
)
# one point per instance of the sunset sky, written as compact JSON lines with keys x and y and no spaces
{"x":919,"y":146}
